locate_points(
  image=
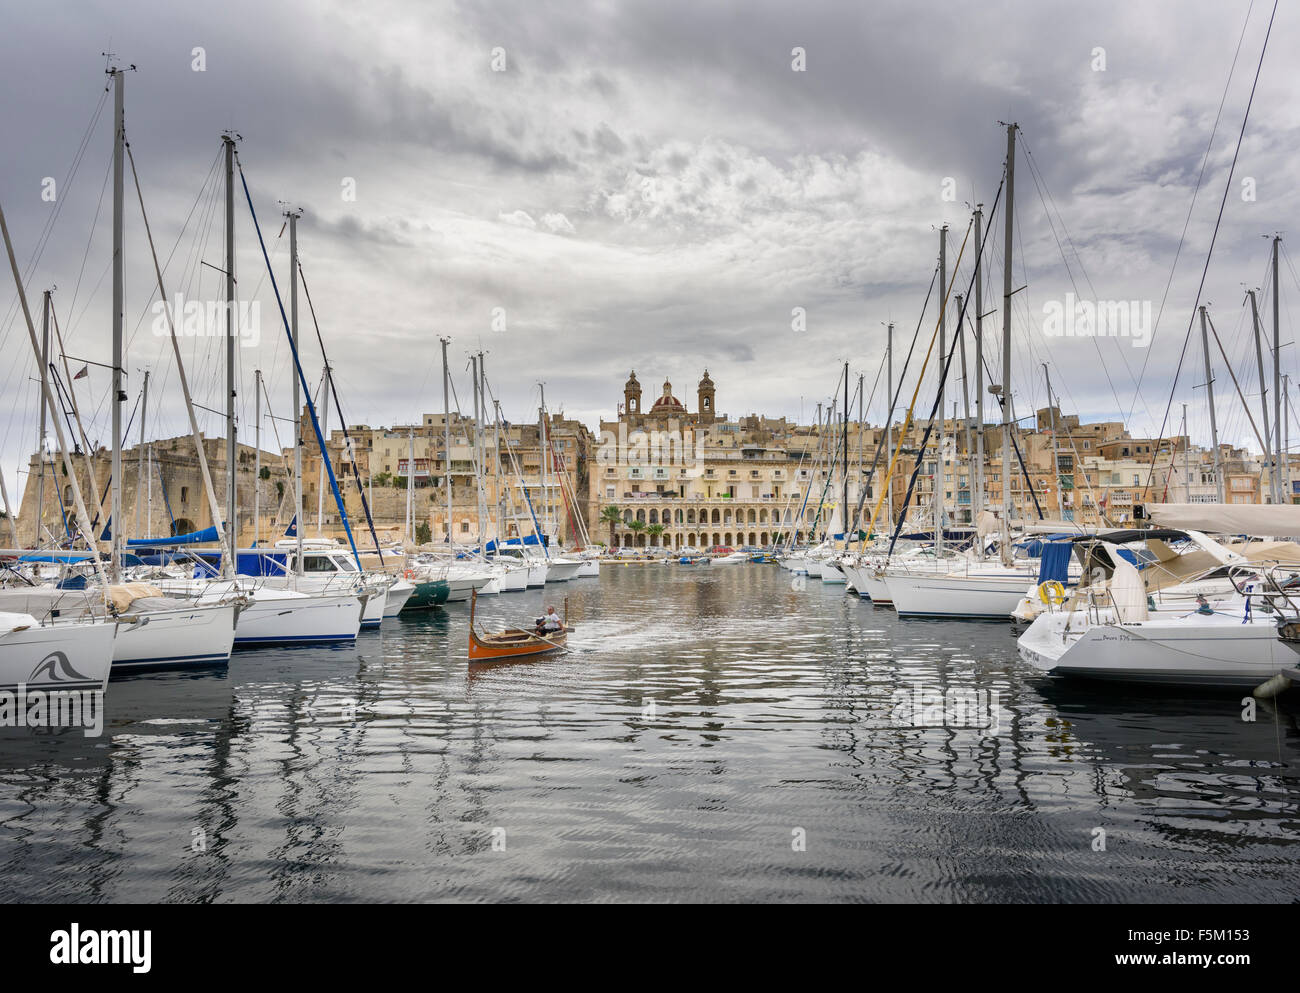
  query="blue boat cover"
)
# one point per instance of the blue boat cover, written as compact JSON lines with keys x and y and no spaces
{"x":206,"y":536}
{"x":1054,"y":566}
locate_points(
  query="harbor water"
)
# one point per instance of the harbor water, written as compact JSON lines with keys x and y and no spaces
{"x":713,"y":734}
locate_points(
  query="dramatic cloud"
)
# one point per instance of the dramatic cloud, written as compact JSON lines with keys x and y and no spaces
{"x":583,"y":188}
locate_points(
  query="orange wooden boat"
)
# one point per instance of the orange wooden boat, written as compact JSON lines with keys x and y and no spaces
{"x":513,"y":643}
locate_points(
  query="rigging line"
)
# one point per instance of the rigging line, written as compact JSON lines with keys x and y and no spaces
{"x":1034,"y":175}
{"x":1209,"y":255}
{"x":38,"y":250}
{"x":329,"y":380}
{"x":320,"y":438}
{"x":943,"y":307}
{"x":1196,"y":191}
{"x":1240,"y":395}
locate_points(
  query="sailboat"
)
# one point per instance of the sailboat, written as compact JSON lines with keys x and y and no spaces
{"x":155,"y":630}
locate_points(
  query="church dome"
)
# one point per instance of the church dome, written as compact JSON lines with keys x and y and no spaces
{"x":668,"y":404}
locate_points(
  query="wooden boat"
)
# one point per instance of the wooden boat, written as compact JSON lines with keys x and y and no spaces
{"x":513,"y":643}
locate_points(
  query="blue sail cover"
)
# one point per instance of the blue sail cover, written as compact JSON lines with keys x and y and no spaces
{"x":207,"y":535}
{"x":1054,"y":566}
{"x":528,"y":539}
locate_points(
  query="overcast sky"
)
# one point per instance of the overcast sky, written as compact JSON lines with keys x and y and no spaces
{"x":651,"y":186}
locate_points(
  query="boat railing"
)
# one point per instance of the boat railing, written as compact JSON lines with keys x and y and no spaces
{"x":1276,"y":587}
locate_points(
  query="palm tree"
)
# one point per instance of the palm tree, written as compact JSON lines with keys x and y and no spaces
{"x":636,"y":527}
{"x":654,"y":531}
{"x":612,"y":516}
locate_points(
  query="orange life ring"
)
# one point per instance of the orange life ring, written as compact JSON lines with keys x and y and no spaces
{"x":408,"y":573}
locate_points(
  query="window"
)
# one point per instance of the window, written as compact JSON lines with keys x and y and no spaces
{"x":185,"y":494}
{"x":464,"y":527}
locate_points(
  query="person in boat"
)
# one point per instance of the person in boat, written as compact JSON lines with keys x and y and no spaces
{"x":551,"y":623}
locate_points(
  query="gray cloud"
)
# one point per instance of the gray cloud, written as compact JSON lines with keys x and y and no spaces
{"x":650,"y":186}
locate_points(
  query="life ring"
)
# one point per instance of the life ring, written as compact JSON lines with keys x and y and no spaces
{"x":1051,"y":593}
{"x":408,"y":573}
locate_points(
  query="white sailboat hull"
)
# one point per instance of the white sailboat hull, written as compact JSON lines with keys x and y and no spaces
{"x":831,"y":573}
{"x":561,"y":570}
{"x":194,"y":635}
{"x":73,"y":656}
{"x":977,"y":597}
{"x":398,"y":594}
{"x":1191,"y":650}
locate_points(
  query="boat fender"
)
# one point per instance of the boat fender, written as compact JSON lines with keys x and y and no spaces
{"x":1267,"y":690}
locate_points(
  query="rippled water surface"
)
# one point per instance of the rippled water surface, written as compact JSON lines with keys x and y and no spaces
{"x":714,"y":734}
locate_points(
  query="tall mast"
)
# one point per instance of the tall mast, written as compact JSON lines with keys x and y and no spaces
{"x":889,"y":421}
{"x":1006,"y":345}
{"x":139,"y":471}
{"x":232,"y":518}
{"x":482,"y":449}
{"x":844,"y":451}
{"x":965,"y":393}
{"x":478,"y":465}
{"x":257,"y":455}
{"x":1209,"y":396}
{"x":40,"y":438}
{"x":119,"y":147}
{"x":1056,"y":462}
{"x":496,"y":460}
{"x":446,"y":437}
{"x":544,"y":467}
{"x":293,"y":216}
{"x":83,"y":519}
{"x":324,"y":433}
{"x":410,"y":485}
{"x":1187,"y":470}
{"x":1273,"y":488}
{"x":978,"y":498}
{"x":1280,"y":464}
{"x":939,"y":468}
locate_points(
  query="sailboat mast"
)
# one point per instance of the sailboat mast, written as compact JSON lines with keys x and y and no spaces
{"x":482,"y":451}
{"x":446,"y":436}
{"x":1283,"y":467}
{"x":257,"y":454}
{"x":1006,"y":345}
{"x":478,"y":465}
{"x":1273,"y":488}
{"x":324,"y":433}
{"x":889,"y":421}
{"x":1187,"y":469}
{"x":978,"y":505}
{"x":293,"y":216}
{"x":139,"y":470}
{"x":232,"y":517}
{"x":1209,"y":399}
{"x":40,"y":438}
{"x":1056,"y":461}
{"x":119,"y":177}
{"x":965,"y":396}
{"x":939,"y":467}
{"x":844,"y":452}
{"x":544,"y":467}
{"x":69,"y":469}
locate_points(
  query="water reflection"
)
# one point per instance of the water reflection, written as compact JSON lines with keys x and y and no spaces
{"x":704,"y":725}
